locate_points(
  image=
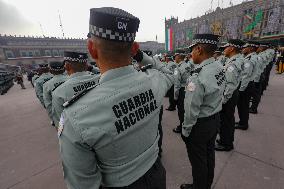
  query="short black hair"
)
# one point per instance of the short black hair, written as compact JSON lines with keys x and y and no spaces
{"x":78,"y":66}
{"x":57,"y":72}
{"x":114,"y":49}
{"x":208,"y":48}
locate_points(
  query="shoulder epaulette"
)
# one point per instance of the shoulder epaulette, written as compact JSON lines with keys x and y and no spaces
{"x":78,"y":96}
{"x":57,"y":86}
{"x":46,"y":80}
{"x":144,"y":68}
{"x":197,"y":70}
{"x":249,"y":57}
{"x":188,"y":69}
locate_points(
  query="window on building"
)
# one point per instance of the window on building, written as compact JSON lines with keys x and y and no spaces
{"x":55,"y":53}
{"x":24,"y":54}
{"x":37,"y":53}
{"x":47,"y":53}
{"x":61,"y":53}
{"x":10,"y":54}
{"x":31,"y":54}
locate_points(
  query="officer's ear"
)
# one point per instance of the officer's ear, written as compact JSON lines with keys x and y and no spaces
{"x":92,"y":49}
{"x":134,"y":48}
{"x":199,"y":50}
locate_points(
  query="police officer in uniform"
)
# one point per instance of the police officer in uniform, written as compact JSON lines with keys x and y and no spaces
{"x":260,"y":66}
{"x":233,"y":73}
{"x":57,"y":69}
{"x":272,"y":54}
{"x":203,"y":102}
{"x":218,"y":55}
{"x":181,"y":74}
{"x":171,"y":65}
{"x":78,"y":79}
{"x":260,"y":82}
{"x":43,"y":78}
{"x":247,"y":85}
{"x":109,"y":134}
{"x":35,"y":77}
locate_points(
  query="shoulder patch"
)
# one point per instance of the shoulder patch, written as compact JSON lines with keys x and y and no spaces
{"x":61,"y":125}
{"x":175,"y":72}
{"x":230,"y":69}
{"x":247,"y":65}
{"x":191,"y":87}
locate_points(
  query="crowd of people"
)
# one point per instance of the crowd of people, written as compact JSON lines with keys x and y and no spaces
{"x":108,"y":118}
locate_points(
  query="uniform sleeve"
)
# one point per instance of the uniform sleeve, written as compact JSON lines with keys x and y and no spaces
{"x":231,"y":83}
{"x":47,"y":100}
{"x":177,"y":82}
{"x":57,"y":107}
{"x":192,"y":102}
{"x":39,"y":93}
{"x":246,"y":74}
{"x":78,"y":159}
{"x":166,"y":76}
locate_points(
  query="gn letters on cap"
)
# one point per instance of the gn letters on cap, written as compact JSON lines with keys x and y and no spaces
{"x":113,"y":24}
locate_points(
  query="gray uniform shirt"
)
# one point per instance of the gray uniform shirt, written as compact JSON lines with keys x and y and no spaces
{"x":35,"y":77}
{"x":247,"y":73}
{"x":233,"y":71}
{"x":204,"y":93}
{"x":171,"y":65}
{"x":39,"y":86}
{"x":261,"y":60}
{"x":48,"y":89}
{"x":74,"y":84}
{"x":181,"y":74}
{"x":253,"y":59}
{"x":222,"y":60}
{"x":110,"y":135}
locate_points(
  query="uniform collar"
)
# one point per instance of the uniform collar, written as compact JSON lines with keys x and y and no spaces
{"x":234,"y":57}
{"x":78,"y":74}
{"x":250,"y":54}
{"x":206,"y":62}
{"x":115,"y":73}
{"x":59,"y":75}
{"x":181,"y":63}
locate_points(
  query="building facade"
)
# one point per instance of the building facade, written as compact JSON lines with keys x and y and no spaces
{"x":258,"y":19}
{"x":31,"y":51}
{"x":153,"y":46}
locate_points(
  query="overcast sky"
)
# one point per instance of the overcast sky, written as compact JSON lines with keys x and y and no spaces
{"x":24,"y":17}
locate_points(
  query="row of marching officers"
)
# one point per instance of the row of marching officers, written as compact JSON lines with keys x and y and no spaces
{"x":247,"y":67}
{"x":108,"y":124}
{"x":246,"y":70}
{"x":58,"y":81}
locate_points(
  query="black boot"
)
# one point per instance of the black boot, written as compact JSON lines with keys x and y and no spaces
{"x":186,"y":186}
{"x":242,"y":127}
{"x":177,"y":129}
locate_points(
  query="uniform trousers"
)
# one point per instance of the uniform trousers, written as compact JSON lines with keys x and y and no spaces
{"x":256,"y":94}
{"x":227,"y":116}
{"x":180,"y":105}
{"x":243,"y":104}
{"x":154,"y":178}
{"x":172,"y":102}
{"x":269,"y":68}
{"x":160,"y":129}
{"x":200,"y":149}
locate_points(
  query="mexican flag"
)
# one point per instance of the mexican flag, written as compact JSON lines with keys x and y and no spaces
{"x":169,"y":39}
